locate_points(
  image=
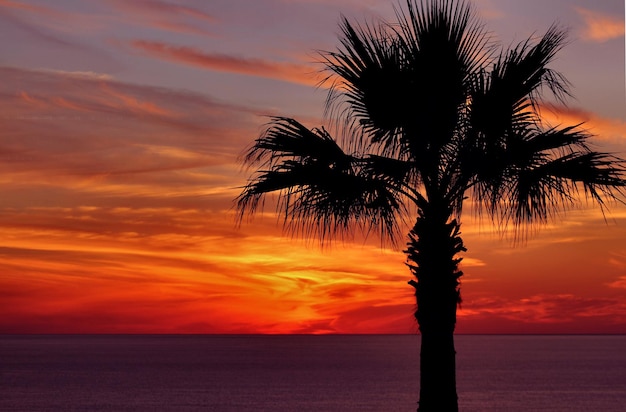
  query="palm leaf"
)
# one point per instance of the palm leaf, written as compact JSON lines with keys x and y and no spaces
{"x":538,"y":173}
{"x":321,"y":189}
{"x":372,"y":81}
{"x":444,"y":44}
{"x":507,"y":97}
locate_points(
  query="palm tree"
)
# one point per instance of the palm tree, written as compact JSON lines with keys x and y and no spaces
{"x":432,"y":113}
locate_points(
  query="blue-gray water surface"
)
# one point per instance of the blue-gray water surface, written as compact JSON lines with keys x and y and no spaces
{"x":304,"y":373}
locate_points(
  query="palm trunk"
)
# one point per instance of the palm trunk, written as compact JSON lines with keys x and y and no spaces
{"x":433,"y":245}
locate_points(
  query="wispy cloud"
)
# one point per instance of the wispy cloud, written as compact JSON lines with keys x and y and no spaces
{"x":108,"y":185}
{"x":62,"y":38}
{"x":490,"y":9}
{"x":116,"y":212}
{"x":549,"y":308}
{"x":85,"y":262}
{"x":31,"y":8}
{"x":32,"y":30}
{"x":172,"y":17}
{"x":87,"y":136}
{"x":620,"y":283}
{"x":165,"y":9}
{"x":544,"y":313}
{"x":57,"y":19}
{"x":600,"y":27}
{"x":286,"y":71}
{"x":603,"y":128}
{"x":80,"y":74}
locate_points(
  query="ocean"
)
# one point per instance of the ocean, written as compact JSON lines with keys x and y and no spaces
{"x":304,"y":373}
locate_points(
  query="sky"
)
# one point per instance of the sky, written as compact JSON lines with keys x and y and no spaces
{"x":122,"y":129}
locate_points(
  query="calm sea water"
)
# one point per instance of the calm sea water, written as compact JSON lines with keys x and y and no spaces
{"x":304,"y":373}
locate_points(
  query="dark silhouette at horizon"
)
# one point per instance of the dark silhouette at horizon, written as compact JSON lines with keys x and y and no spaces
{"x":429,"y":112}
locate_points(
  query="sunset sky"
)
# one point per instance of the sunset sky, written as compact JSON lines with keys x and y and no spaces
{"x":122,"y":125}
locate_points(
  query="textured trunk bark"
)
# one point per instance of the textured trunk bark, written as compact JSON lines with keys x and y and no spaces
{"x":433,"y":245}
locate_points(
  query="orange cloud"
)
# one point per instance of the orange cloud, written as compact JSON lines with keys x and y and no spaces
{"x":31,"y":100}
{"x":603,"y":128}
{"x":108,"y":99}
{"x":600,"y":27}
{"x":94,"y":260}
{"x":95,"y":269}
{"x":619,"y":283}
{"x":134,"y":104}
{"x":116,"y":217}
{"x":295,"y":73}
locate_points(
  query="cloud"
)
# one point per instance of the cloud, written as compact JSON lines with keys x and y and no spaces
{"x":167,"y":16}
{"x":600,"y":27}
{"x":80,"y":74}
{"x":83,"y":253}
{"x":546,"y":308}
{"x":620,"y":283}
{"x":178,"y":265}
{"x":366,"y":317}
{"x":618,"y":261}
{"x":149,"y":13}
{"x":25,"y":29}
{"x":34,"y":17}
{"x":603,"y":128}
{"x":490,"y":9}
{"x":164,"y":9}
{"x":108,"y":186}
{"x":83,"y":141}
{"x":31,"y":8}
{"x":74,"y":122}
{"x":291,"y":72}
{"x":59,"y":38}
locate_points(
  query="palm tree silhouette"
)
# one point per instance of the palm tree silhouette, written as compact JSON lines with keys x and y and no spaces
{"x":432,"y":113}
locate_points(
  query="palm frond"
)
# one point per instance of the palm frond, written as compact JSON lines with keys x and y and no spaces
{"x":602,"y":175}
{"x":537,"y":174}
{"x":507,"y":96}
{"x":321,"y":190}
{"x":447,"y":32}
{"x":445,"y":45}
{"x":286,"y":138}
{"x":372,"y":81}
{"x":525,"y":66}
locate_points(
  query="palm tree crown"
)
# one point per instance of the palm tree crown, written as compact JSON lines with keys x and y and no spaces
{"x":431,"y":113}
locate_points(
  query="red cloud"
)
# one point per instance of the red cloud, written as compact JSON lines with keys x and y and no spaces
{"x":604,"y":128}
{"x":543,"y":313}
{"x":295,"y":73}
{"x":619,"y":283}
